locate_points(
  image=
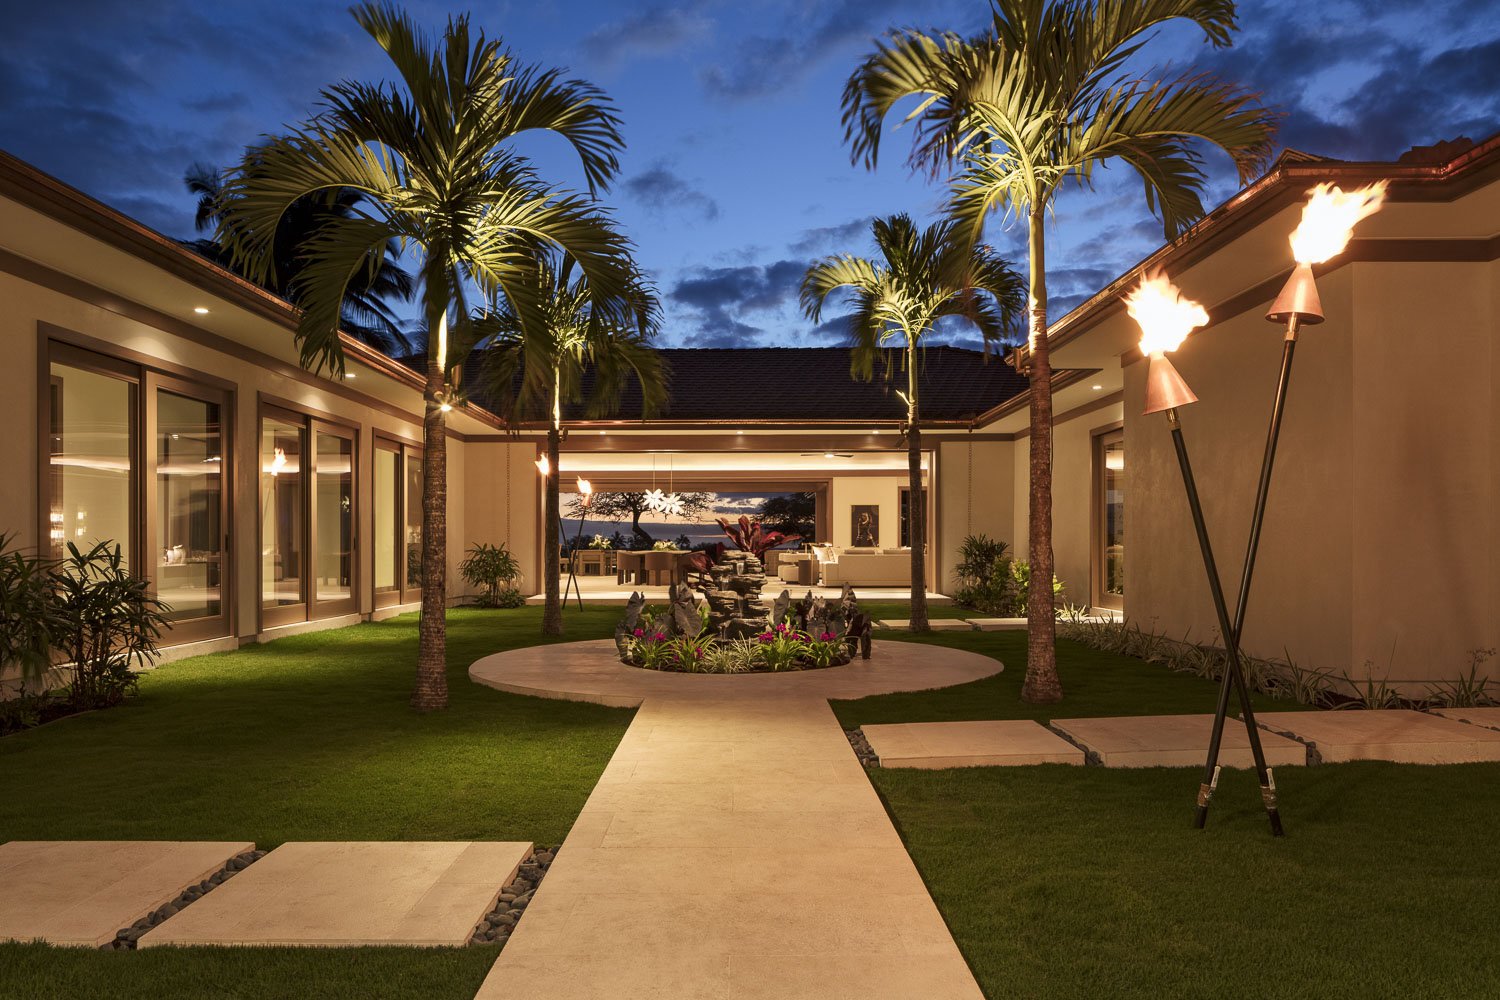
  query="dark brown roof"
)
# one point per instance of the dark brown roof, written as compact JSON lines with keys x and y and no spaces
{"x":773,"y":384}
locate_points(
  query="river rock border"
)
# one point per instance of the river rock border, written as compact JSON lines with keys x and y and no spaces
{"x":498,"y":924}
{"x":862,"y":748}
{"x":127,"y":937}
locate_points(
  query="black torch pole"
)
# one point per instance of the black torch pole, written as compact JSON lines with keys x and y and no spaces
{"x":1232,"y":639}
{"x":1232,"y":673}
{"x":573,"y":584}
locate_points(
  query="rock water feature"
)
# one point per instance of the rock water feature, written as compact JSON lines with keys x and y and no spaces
{"x":732,"y":586}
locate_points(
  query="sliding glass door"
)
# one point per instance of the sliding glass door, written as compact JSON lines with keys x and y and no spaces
{"x":187,"y":542}
{"x":1109,"y":524}
{"x":397,"y":549}
{"x":93,"y":469}
{"x":307,"y":518}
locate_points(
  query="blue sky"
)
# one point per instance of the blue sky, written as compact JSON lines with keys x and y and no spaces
{"x":735,"y":175}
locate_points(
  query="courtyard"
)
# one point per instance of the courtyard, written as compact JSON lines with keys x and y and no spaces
{"x":1053,"y":880}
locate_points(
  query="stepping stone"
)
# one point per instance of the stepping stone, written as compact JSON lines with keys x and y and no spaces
{"x":1489,"y":717}
{"x":83,"y":892}
{"x":1396,"y":734}
{"x":997,"y":624}
{"x":969,"y":744}
{"x":1175,"y":741}
{"x":936,"y":624}
{"x":349,"y":894}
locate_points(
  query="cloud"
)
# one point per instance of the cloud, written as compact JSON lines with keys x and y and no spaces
{"x":833,"y":239}
{"x":656,"y":31}
{"x":723,"y":303}
{"x":661,"y":190}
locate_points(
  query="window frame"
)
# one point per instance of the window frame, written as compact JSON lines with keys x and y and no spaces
{"x":1099,"y":440}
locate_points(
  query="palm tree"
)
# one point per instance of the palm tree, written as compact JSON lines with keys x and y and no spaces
{"x":923,"y":276}
{"x":431,"y":157}
{"x":1040,"y":99}
{"x":367,"y":314}
{"x":578,"y":344}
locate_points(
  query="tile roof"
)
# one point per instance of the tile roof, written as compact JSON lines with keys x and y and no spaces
{"x":807,"y":383}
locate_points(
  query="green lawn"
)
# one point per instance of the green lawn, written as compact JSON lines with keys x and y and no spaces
{"x":1064,"y":882}
{"x":1094,"y":683}
{"x":311,"y":738}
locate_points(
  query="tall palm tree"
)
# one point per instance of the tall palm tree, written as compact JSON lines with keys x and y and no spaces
{"x":367,"y":313}
{"x":923,"y":275}
{"x":431,"y":157}
{"x":1042,"y":98}
{"x":580,"y":343}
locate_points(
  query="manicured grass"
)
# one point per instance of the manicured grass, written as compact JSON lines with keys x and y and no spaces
{"x":1094,"y":683}
{"x":1063,"y":882}
{"x":311,"y":738}
{"x":37,"y":972}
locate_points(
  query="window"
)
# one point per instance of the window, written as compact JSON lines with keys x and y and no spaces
{"x":1109,"y":527}
{"x":307,"y":518}
{"x":904,"y":516}
{"x":138,"y":458}
{"x":188,"y":543}
{"x":93,"y":472}
{"x":398,"y":523}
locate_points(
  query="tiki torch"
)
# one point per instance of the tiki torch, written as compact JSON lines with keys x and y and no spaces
{"x":1328,"y":221}
{"x":586,"y":490}
{"x":1166,"y":318}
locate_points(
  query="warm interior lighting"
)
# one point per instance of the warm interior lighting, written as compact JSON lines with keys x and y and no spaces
{"x":544,"y":466}
{"x":445,"y":406}
{"x":1329,"y":218}
{"x":201,"y":310}
{"x":1096,"y":388}
{"x":1114,"y":461}
{"x":278,"y":461}
{"x":827,"y":454}
{"x":349,"y":376}
{"x":1164,"y":316}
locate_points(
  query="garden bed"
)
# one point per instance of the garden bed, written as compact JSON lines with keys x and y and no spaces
{"x":779,"y":648}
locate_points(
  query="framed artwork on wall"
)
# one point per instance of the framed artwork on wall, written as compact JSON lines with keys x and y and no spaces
{"x":864,"y":526}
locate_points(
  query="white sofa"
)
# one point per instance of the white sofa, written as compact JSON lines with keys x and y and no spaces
{"x":864,"y":567}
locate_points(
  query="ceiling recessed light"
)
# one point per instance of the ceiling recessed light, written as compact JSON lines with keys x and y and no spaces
{"x":739,"y":433}
{"x":601,"y":433}
{"x":1096,"y":388}
{"x":827,"y":454}
{"x":201,"y":310}
{"x":874,"y":432}
{"x":348,"y":376}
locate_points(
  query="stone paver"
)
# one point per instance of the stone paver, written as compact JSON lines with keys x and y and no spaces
{"x":1488,"y":717}
{"x":1398,"y":734}
{"x":969,"y":744}
{"x":936,"y":624}
{"x":336,"y":894}
{"x":998,"y":624}
{"x":82,"y":892}
{"x":1175,"y":741}
{"x":734,"y":849}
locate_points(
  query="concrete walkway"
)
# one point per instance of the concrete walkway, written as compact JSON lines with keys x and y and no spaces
{"x":733,"y":848}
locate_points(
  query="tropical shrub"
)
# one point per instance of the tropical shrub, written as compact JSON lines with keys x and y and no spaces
{"x":493,"y":569}
{"x":985,"y":581}
{"x":109,"y":622}
{"x":781,"y":647}
{"x":748,"y":536}
{"x":28,"y":614}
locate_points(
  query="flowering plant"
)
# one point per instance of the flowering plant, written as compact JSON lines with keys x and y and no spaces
{"x":782,"y":646}
{"x":600,"y":542}
{"x":664,"y":546}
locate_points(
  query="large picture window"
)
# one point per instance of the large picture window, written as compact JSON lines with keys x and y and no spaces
{"x":308,"y":561}
{"x":138,"y":458}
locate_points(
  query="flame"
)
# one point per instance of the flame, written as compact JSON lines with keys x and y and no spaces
{"x":1165,"y":317}
{"x":278,"y":461}
{"x":585,"y":487}
{"x":544,"y":466}
{"x":1329,"y":218}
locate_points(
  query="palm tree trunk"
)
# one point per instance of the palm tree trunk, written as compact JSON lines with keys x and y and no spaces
{"x":1041,"y":685}
{"x":915,"y":513}
{"x":432,"y":634}
{"x":552,"y":622}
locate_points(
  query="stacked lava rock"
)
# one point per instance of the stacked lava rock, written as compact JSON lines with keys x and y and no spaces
{"x":732,"y":588}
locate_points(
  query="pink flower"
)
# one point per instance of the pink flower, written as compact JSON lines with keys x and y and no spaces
{"x":659,"y":636}
{"x":767,"y":636}
{"x":639,"y":632}
{"x":827,"y":637}
{"x":782,"y":627}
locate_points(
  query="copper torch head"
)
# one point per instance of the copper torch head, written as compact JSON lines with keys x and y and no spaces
{"x":1165,"y":388}
{"x":1299,"y":297}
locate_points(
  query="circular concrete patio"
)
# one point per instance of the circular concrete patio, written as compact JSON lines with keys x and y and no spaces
{"x":590,"y":671}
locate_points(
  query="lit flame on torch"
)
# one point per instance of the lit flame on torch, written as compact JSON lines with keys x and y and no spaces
{"x":1329,"y":218}
{"x":544,"y":466}
{"x":1164,"y":316}
{"x":587,"y":489}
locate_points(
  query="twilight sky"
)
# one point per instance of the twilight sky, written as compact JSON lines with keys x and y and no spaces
{"x":735,"y":175}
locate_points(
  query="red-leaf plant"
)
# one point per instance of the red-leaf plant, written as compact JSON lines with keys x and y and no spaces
{"x":750,"y":537}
